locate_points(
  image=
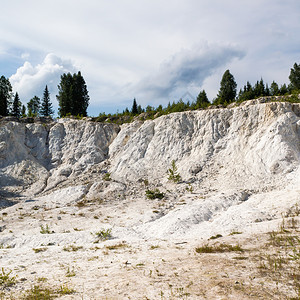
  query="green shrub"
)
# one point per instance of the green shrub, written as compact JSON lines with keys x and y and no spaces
{"x":103,"y":234}
{"x":173,"y":174}
{"x":155,"y":194}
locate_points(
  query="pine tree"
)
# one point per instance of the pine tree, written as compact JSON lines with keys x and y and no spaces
{"x":227,"y":90}
{"x":16,"y":107}
{"x":274,"y":89}
{"x":33,"y":106}
{"x":295,"y":77}
{"x":72,"y":95}
{"x":23,"y":111}
{"x":46,"y":106}
{"x":80,"y":96}
{"x":202,"y":100}
{"x":134,"y":109}
{"x":5,"y":96}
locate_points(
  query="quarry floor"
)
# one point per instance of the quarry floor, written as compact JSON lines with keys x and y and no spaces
{"x":64,"y":252}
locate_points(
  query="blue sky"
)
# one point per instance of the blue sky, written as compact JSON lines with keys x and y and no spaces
{"x":155,"y":51}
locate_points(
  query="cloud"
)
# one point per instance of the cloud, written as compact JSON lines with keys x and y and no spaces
{"x":187,"y":69}
{"x":30,"y":80}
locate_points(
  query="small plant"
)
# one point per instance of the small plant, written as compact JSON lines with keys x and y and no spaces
{"x":6,"y":280}
{"x":216,"y":236}
{"x":38,"y":250}
{"x":106,"y":177}
{"x":154,"y":194}
{"x":45,"y":230}
{"x":64,"y":290}
{"x":70,"y":273}
{"x":103,"y":235}
{"x":71,"y":248}
{"x":152,"y":247}
{"x":117,"y":246}
{"x":173,"y":174}
{"x":218,"y":248}
{"x":38,"y":292}
{"x":235,"y":232}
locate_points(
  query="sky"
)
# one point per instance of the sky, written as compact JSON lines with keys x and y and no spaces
{"x":152,"y":50}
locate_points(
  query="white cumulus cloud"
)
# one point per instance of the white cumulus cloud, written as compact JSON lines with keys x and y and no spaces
{"x":30,"y":80}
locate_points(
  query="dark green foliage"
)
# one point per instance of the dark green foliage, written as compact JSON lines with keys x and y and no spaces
{"x":284,"y":90}
{"x":5,"y":96}
{"x":173,"y":174}
{"x":218,"y":248}
{"x":227,"y":90}
{"x":46,"y":106}
{"x":72,"y":95}
{"x":16,"y":107}
{"x":33,"y":106}
{"x":134,"y":109}
{"x":295,"y":77}
{"x":202,"y":100}
{"x":274,"y":89}
{"x":154,"y":194}
{"x":23,"y":111}
{"x":80,"y":96}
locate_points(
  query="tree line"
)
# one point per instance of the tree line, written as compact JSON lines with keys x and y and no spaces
{"x":226,"y":95}
{"x":73,"y":98}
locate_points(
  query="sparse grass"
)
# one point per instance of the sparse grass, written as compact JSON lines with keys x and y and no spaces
{"x":106,"y":177}
{"x":282,"y":262}
{"x":77,"y":229}
{"x":117,"y":246}
{"x":45,"y":230}
{"x":219,"y":248}
{"x":235,"y":232}
{"x":39,"y":293}
{"x":46,"y":293}
{"x":81,"y":203}
{"x":38,"y":250}
{"x":216,"y":236}
{"x":72,"y":248}
{"x":103,"y":235}
{"x":152,"y":247}
{"x":6,"y":280}
{"x":70,"y":273}
{"x":154,"y":194}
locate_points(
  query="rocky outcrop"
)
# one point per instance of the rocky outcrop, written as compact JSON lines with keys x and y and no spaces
{"x":251,"y":146}
{"x":254,"y":146}
{"x":37,"y":155}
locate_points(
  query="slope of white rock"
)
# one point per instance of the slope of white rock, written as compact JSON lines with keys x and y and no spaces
{"x":239,"y":166}
{"x":253,"y":146}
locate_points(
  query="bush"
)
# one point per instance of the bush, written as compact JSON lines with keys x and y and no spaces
{"x":173,"y":174}
{"x":155,"y":194}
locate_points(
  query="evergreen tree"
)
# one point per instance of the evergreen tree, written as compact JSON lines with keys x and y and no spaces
{"x":16,"y":107}
{"x":23,"y":111}
{"x":134,"y":109}
{"x":284,"y":90}
{"x":227,"y":90}
{"x":80,"y":96}
{"x":33,"y":106}
{"x":5,"y":96}
{"x":72,"y":95}
{"x":295,"y":77}
{"x":259,"y":89}
{"x":202,"y":100}
{"x":274,"y":89}
{"x":46,"y":106}
{"x":65,"y":95}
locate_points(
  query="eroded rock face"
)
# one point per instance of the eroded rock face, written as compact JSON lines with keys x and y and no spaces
{"x":250,"y":146}
{"x":33,"y":156}
{"x":253,"y":146}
